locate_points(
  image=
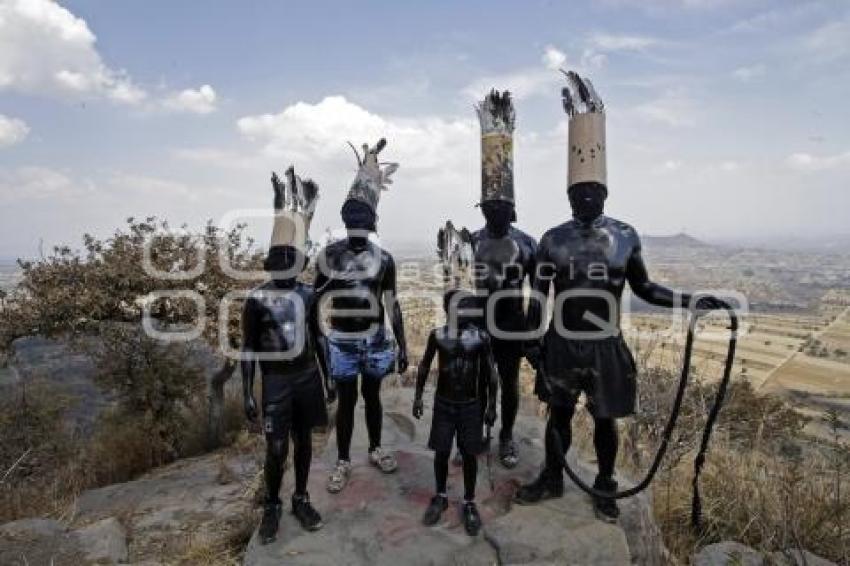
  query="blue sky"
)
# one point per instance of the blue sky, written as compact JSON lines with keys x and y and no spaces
{"x":726,"y":118}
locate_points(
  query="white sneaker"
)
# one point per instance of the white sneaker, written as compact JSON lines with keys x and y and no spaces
{"x":339,"y":476}
{"x":383,"y":460}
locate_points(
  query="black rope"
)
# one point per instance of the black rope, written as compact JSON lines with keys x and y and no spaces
{"x":489,"y":460}
{"x":696,"y":502}
{"x":554,"y":445}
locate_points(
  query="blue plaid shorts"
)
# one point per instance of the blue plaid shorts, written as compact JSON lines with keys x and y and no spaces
{"x":373,"y":356}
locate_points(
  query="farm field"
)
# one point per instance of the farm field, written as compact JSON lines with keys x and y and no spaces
{"x":794,"y":342}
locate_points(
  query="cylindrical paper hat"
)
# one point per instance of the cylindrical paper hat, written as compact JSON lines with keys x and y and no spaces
{"x":587,"y":161}
{"x":586,"y":147}
{"x":496,"y":115}
{"x":294,"y":204}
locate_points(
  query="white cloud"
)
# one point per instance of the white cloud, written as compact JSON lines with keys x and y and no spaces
{"x":672,"y":109}
{"x":591,"y":59}
{"x":554,"y":58}
{"x":534,"y":80}
{"x":319,"y":131}
{"x":523,"y":83}
{"x":12,"y":131}
{"x":438,"y":158}
{"x":36,"y":183}
{"x":47,"y":50}
{"x":806,"y":162}
{"x":730,"y":166}
{"x":668,"y":166}
{"x":749,"y":73}
{"x":613,"y":42}
{"x":830,"y":42}
{"x":665,"y":5}
{"x":197,"y":101}
{"x":148,"y":186}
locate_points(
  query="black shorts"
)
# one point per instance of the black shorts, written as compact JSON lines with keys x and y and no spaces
{"x":461,"y":419}
{"x":293,"y":401}
{"x":604,"y":370}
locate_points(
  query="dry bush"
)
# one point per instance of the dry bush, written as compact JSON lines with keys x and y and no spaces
{"x":58,"y":465}
{"x":219,"y":550}
{"x":83,"y":293}
{"x":764,"y":484}
{"x":34,"y":441}
{"x":194,"y":434}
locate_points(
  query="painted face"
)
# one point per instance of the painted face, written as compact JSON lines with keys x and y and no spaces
{"x":284,"y":259}
{"x":357,"y":216}
{"x":587,"y":200}
{"x":499,"y":214}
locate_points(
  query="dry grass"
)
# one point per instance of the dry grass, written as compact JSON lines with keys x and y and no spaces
{"x":221,"y":549}
{"x":59,"y":465}
{"x":765,"y":483}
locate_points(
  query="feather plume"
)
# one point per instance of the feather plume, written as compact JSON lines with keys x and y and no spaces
{"x":291,"y":184}
{"x":278,"y":188}
{"x":579,"y":95}
{"x":595,"y":102}
{"x":309,"y":197}
{"x":569,"y":108}
{"x":496,"y":112}
{"x":581,"y":89}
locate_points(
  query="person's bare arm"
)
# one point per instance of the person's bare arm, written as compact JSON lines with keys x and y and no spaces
{"x":422,"y":374}
{"x":248,"y":363}
{"x":320,"y":340}
{"x":541,"y":280}
{"x":488,"y":365}
{"x":659,"y":295}
{"x":397,"y":321}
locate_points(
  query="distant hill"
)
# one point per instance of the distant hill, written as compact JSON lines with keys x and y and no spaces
{"x":679,"y":240}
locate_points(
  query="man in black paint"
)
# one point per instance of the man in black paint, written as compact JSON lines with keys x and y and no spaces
{"x":356,"y":283}
{"x":280,"y":333}
{"x":587,"y":262}
{"x":503,"y":259}
{"x":465,"y":360}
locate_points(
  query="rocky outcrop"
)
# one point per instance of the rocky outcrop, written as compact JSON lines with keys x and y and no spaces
{"x":67,"y":372}
{"x":195,"y":505}
{"x":203,"y":507}
{"x":38,"y":541}
{"x":70,"y":373}
{"x":730,"y":553}
{"x":197,"y":501}
{"x":104,"y":541}
{"x":376,"y":520}
{"x":47,"y":541}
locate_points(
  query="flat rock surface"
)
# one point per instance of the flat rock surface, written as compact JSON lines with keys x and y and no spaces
{"x":38,"y":541}
{"x":376,"y":520}
{"x":104,"y":541}
{"x":731,"y":553}
{"x":191,"y":501}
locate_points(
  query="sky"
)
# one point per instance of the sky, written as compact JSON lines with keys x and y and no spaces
{"x":727,"y":119}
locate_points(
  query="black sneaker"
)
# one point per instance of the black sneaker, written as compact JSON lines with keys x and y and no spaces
{"x":471,"y":518}
{"x":508,"y":454}
{"x":435,"y":510}
{"x":606,"y":509}
{"x":306,"y":513}
{"x":269,"y":524}
{"x":540,"y":489}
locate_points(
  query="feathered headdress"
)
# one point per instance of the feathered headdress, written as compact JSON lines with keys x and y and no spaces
{"x":586,"y":144}
{"x":496,"y":115}
{"x":294,"y":204}
{"x":372,"y":177}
